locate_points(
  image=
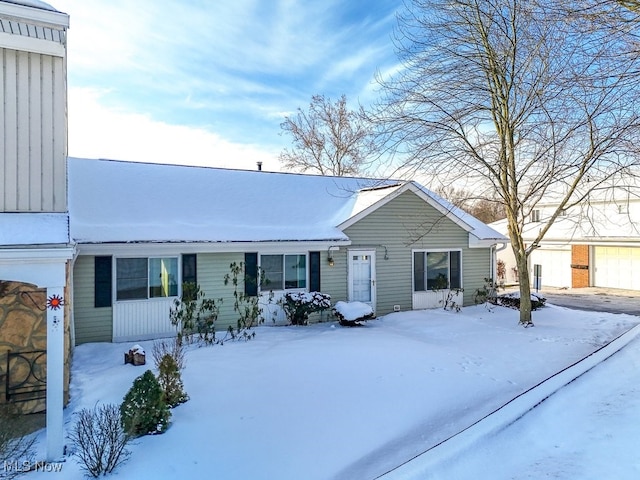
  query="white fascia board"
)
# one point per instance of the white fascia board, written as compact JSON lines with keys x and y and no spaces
{"x":36,"y":255}
{"x":475,"y":242}
{"x":33,"y":45}
{"x":609,"y":242}
{"x":37,"y":15}
{"x":153,"y":249}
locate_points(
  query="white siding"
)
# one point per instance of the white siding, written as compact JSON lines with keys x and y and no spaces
{"x":556,"y":266}
{"x":617,"y":267}
{"x":33,"y":129}
{"x":142,"y":320}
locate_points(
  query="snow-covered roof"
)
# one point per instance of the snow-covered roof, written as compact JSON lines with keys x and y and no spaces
{"x":33,"y":229}
{"x":596,"y":226}
{"x":33,"y":3}
{"x":115,"y":201}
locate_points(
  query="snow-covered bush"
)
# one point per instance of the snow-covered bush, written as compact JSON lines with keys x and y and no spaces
{"x":299,"y":305}
{"x":351,"y":313}
{"x":512,"y":300}
{"x":144,"y":410}
{"x":99,"y":439}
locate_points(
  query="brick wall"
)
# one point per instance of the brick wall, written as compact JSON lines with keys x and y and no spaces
{"x":579,"y":266}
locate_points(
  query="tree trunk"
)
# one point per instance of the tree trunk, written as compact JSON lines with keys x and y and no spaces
{"x":525,"y":290}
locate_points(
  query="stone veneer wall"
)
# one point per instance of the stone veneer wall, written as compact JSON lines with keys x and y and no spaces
{"x":23,"y":327}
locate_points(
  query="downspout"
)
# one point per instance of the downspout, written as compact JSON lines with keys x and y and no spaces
{"x":494,"y":260}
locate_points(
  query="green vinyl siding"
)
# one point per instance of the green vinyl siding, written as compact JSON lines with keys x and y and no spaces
{"x":401,"y":225}
{"x":333,"y":279}
{"x":212,"y":267}
{"x":91,"y":324}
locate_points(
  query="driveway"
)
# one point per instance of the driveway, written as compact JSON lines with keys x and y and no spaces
{"x":594,"y":299}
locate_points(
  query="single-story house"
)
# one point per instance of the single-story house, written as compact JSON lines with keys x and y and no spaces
{"x":141,"y":230}
{"x":593,"y":244}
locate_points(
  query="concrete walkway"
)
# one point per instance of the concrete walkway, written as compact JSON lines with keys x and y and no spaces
{"x":596,"y":299}
{"x":447,"y":450}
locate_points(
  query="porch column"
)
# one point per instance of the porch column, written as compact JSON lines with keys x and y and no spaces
{"x":55,"y":373}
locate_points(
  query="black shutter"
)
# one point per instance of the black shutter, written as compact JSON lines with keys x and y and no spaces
{"x":251,"y":274}
{"x":189,"y":269}
{"x":103,"y":284}
{"x":314,"y":271}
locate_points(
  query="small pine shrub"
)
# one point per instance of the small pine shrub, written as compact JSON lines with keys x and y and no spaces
{"x":100,"y":440}
{"x":171,"y":382}
{"x":144,"y":410}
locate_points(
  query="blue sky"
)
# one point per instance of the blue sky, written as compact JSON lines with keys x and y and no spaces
{"x":209,"y":82}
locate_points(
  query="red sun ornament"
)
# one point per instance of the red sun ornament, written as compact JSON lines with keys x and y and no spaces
{"x":54,"y":302}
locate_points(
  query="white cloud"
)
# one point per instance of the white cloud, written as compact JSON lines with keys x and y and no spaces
{"x":96,"y":131}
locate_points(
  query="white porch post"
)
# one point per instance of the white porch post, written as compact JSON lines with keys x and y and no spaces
{"x":55,"y":373}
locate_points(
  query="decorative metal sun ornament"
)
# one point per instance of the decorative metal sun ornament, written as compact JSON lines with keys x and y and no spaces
{"x":54,"y":302}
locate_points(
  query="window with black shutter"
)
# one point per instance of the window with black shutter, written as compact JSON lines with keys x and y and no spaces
{"x":251,"y":274}
{"x":314,"y":271}
{"x":103,"y":284}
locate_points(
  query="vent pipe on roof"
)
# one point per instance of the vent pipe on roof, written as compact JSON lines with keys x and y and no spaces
{"x":259,"y":166}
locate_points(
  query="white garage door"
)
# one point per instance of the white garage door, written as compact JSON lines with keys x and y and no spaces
{"x":617,"y":267}
{"x":556,"y":266}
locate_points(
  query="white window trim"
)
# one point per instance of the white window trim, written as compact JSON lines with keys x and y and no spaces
{"x":435,"y":250}
{"x":114,"y":277}
{"x":262,"y":289}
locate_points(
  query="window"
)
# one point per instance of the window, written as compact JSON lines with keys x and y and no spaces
{"x":436,"y":270}
{"x":535,"y":215}
{"x":623,"y":208}
{"x":282,"y":272}
{"x":142,"y":278}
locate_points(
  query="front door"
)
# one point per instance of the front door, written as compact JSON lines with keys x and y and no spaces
{"x":362,"y":277}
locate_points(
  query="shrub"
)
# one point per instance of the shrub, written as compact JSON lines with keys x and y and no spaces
{"x":170,"y":381}
{"x":15,"y":444}
{"x":246,"y":306}
{"x":144,"y":410}
{"x":100,"y":439}
{"x":173,"y":347}
{"x":512,"y":300}
{"x":298,"y":305}
{"x":194,"y":314}
{"x":487,"y":293}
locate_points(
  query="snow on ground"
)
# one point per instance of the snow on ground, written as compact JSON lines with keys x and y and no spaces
{"x":322,"y":401}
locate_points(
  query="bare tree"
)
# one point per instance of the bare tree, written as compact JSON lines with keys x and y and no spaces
{"x":533,"y":97}
{"x":487,"y":209}
{"x":328,"y":139}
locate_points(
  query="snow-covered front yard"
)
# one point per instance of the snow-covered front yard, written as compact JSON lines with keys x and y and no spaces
{"x":324,"y":401}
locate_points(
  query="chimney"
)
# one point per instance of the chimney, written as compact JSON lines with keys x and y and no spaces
{"x":259,"y":166}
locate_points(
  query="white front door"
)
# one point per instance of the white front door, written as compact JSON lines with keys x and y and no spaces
{"x":362,"y":277}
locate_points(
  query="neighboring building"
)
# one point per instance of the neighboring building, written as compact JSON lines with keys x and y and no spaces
{"x":594,"y":244}
{"x":141,"y":230}
{"x":34,"y":239}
